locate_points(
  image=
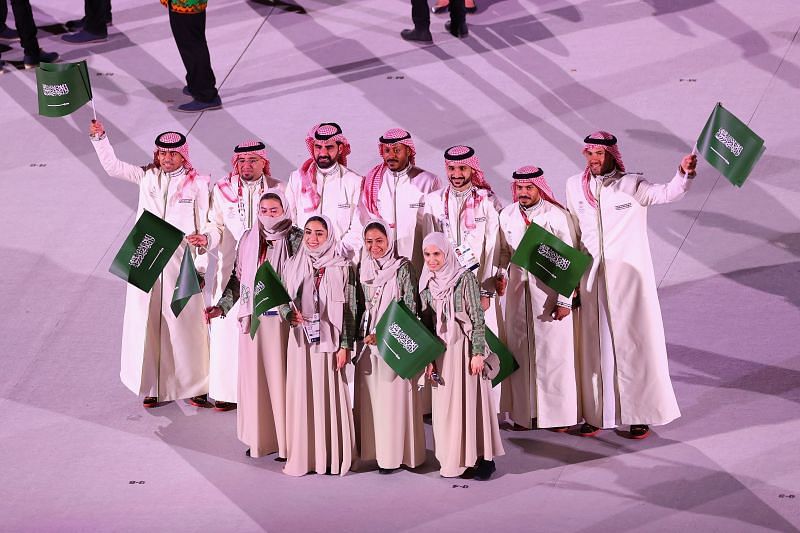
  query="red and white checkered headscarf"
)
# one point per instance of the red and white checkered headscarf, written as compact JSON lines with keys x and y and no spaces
{"x":466,"y":155}
{"x":172,"y":141}
{"x":606,"y":141}
{"x":327,"y":131}
{"x":247,"y":147}
{"x":254,"y":147}
{"x":534,"y":175}
{"x":372,"y":185}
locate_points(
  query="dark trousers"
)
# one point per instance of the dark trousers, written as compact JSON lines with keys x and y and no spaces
{"x":3,"y":14}
{"x":26,"y":27}
{"x":421,"y":14}
{"x":96,"y":13}
{"x":189,"y":32}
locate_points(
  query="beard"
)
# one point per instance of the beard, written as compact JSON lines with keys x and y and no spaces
{"x":324,"y":162}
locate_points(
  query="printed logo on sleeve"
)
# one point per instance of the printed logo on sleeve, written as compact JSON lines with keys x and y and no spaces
{"x":620,"y":207}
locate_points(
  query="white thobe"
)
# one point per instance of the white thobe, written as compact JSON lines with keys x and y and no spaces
{"x":340,"y":192}
{"x":624,"y":371}
{"x":401,"y":203}
{"x":229,"y":217}
{"x":545,"y":385}
{"x":163,"y":355}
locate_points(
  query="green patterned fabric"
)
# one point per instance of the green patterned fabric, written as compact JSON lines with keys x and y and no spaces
{"x":186,"y":7}
{"x":467,"y":285}
{"x":231,"y":293}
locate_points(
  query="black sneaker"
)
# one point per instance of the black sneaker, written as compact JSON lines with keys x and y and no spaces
{"x":200,"y":401}
{"x":417,"y":35}
{"x":484,"y":470}
{"x":588,"y":430}
{"x":459,"y":31}
{"x":639,"y":431}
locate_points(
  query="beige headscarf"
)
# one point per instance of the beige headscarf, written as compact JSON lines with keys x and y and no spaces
{"x":275,"y":232}
{"x":299,"y":278}
{"x":380,"y":275}
{"x":441,"y":283}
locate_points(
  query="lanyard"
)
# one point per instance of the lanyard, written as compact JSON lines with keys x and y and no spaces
{"x":524,"y":216}
{"x":460,"y":211}
{"x":247,"y":212}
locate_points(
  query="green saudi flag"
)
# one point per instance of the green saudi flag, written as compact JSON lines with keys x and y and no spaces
{"x":500,"y":362}
{"x":404,"y":342}
{"x":557,"y":264}
{"x":268,"y":293}
{"x":187,"y":284}
{"x":146,"y":251}
{"x":62,"y":88}
{"x":729,"y":145}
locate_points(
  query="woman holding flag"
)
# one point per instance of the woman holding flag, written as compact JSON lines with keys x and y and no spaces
{"x":261,"y":414}
{"x":465,"y":430}
{"x":388,"y":411}
{"x":320,"y":435}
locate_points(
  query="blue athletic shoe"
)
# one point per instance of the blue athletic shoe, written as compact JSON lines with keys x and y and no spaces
{"x":196,"y":106}
{"x":83,"y":37}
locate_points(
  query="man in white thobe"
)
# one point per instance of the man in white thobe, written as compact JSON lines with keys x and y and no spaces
{"x":164,"y":357}
{"x":234,"y":210}
{"x":324,"y":185}
{"x":538,"y":323}
{"x":466,"y":211}
{"x":394,"y":191}
{"x":624,"y":371}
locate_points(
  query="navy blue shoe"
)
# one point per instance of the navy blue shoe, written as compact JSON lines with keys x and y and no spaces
{"x":196,"y":106}
{"x":77,"y":24}
{"x":42,"y":57}
{"x":84,"y":37}
{"x":9,"y":34}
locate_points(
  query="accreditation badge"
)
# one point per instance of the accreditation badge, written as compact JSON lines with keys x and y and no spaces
{"x":311,"y":329}
{"x":466,"y":257}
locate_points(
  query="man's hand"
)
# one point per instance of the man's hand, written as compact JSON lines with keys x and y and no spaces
{"x":500,"y":284}
{"x":295,"y":318}
{"x":370,"y":339}
{"x":689,"y":164}
{"x":197,"y":240}
{"x":212,"y":313}
{"x":341,"y":358}
{"x":476,"y":364}
{"x":560,"y":313}
{"x":485,"y":302}
{"x":96,"y":128}
{"x":428,"y":370}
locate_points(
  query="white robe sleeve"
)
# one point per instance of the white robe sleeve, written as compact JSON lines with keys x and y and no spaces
{"x":487,"y":282}
{"x":662,"y":193}
{"x":292,"y":190}
{"x":215,"y":224}
{"x":113,"y":166}
{"x":353,"y":238}
{"x":560,"y":227}
{"x":201,"y":215}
